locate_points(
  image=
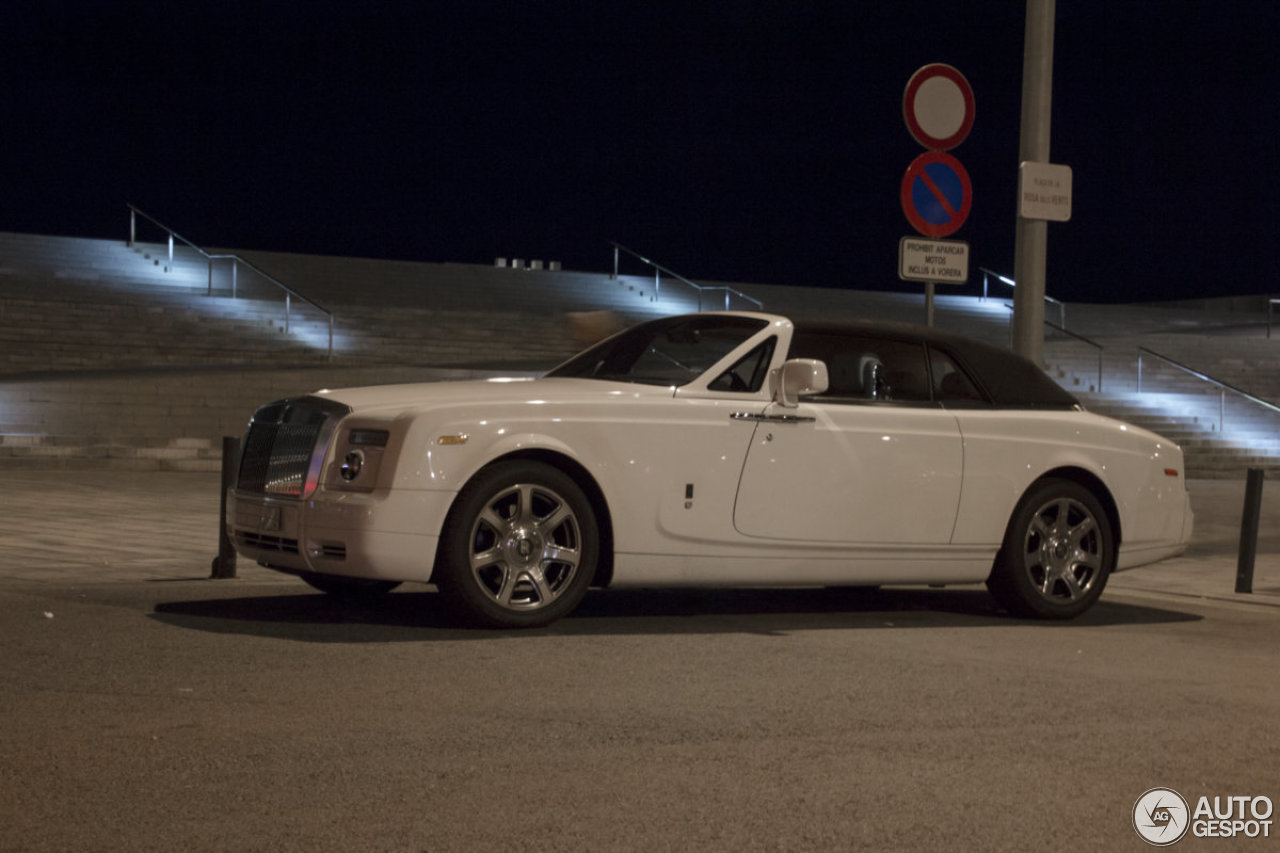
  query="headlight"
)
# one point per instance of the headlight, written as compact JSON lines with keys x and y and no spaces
{"x":357,"y":457}
{"x":352,"y":465}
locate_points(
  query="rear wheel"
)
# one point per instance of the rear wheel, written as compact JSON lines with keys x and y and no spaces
{"x":1058,"y":552}
{"x":519,"y":548}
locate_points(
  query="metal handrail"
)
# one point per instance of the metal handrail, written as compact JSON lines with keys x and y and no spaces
{"x":1082,"y":338}
{"x":1204,"y":377}
{"x":658,"y":270}
{"x":1070,"y":333}
{"x":289,"y":293}
{"x":1062,"y":306}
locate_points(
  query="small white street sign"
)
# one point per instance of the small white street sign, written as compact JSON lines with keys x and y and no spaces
{"x":937,"y":261}
{"x":1044,"y":191}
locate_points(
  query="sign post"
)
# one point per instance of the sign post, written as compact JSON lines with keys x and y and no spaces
{"x":1031,"y":236}
{"x":936,"y":193}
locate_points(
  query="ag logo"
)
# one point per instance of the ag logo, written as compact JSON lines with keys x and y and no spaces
{"x":1161,"y":816}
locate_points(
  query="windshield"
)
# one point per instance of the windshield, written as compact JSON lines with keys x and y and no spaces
{"x":670,"y":351}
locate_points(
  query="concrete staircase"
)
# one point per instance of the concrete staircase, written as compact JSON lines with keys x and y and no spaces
{"x":1222,"y":433}
{"x":75,"y":304}
{"x":111,"y":356}
{"x":1219,"y":441}
{"x":160,"y":419}
{"x":443,"y":287}
{"x":117,"y":356}
{"x":986,"y":320}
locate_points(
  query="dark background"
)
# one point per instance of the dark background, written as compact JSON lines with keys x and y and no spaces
{"x":741,"y":141}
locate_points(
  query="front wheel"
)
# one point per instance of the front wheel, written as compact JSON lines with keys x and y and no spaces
{"x":1058,"y":552}
{"x":519,"y":548}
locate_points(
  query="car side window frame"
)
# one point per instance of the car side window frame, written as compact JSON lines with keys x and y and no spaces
{"x":862,"y":358}
{"x":963,"y":393}
{"x":762,"y":354}
{"x":627,"y":356}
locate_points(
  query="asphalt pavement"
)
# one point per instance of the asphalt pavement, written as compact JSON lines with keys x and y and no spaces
{"x":144,"y":706}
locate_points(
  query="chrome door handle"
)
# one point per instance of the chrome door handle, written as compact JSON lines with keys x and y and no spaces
{"x":773,"y":419}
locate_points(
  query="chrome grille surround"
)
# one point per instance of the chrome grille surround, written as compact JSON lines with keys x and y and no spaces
{"x":284,"y":448}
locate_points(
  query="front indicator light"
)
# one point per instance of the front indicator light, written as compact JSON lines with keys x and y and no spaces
{"x":446,"y":440}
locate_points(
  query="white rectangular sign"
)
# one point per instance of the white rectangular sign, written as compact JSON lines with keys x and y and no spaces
{"x":1044,"y":191}
{"x":938,"y":261}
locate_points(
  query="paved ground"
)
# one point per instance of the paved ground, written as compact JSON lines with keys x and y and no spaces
{"x":96,"y":525}
{"x":194,"y":716}
{"x":145,"y":707}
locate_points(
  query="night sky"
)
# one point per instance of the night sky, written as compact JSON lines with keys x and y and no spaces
{"x":738,"y":141}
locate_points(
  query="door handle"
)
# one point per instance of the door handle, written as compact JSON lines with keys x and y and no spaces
{"x":773,"y":419}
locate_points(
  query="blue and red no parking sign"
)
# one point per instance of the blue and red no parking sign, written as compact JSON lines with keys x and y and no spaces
{"x":936,"y":194}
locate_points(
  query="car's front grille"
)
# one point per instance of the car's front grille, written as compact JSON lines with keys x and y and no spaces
{"x":285,"y":445}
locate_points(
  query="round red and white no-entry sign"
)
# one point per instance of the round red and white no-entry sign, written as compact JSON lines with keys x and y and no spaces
{"x":938,"y":107}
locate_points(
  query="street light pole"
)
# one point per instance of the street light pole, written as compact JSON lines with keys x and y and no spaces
{"x":1032,"y":235}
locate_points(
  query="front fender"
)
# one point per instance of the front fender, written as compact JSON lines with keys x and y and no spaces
{"x":443,"y":457}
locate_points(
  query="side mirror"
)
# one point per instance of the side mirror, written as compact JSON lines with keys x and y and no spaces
{"x":797,"y":377}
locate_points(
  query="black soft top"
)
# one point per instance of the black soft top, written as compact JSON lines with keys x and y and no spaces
{"x":1008,"y":379}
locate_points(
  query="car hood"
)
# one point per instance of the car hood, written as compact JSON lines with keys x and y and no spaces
{"x":391,"y":400}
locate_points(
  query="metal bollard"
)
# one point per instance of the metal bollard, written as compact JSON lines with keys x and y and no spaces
{"x":1249,"y":530}
{"x":224,"y":565}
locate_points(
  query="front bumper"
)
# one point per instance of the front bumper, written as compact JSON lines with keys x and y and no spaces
{"x":382,"y":536}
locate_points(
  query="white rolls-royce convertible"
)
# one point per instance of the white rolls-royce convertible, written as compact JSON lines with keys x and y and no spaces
{"x":713,"y":449}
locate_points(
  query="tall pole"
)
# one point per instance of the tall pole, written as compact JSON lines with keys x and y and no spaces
{"x":1032,"y":235}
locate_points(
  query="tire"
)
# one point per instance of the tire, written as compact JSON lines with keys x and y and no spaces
{"x":349,"y":588}
{"x":519,"y":548}
{"x":1058,"y":552}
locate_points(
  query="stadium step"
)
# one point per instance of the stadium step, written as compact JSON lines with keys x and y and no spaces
{"x":113,"y":356}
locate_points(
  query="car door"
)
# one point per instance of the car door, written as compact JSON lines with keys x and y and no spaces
{"x":871,"y":461}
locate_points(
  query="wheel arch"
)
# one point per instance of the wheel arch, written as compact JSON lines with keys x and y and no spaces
{"x":582,"y":477}
{"x":1033,"y":586}
{"x":1090,"y":481}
